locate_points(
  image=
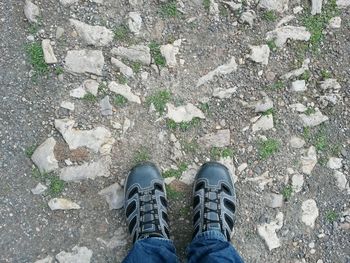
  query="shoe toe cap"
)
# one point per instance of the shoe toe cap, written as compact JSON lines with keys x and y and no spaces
{"x":143,"y":175}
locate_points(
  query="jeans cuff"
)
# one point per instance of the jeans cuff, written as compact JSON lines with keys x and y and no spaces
{"x":212,"y":234}
{"x":160,"y":239}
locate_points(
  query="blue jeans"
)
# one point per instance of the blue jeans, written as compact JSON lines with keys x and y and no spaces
{"x":207,"y":247}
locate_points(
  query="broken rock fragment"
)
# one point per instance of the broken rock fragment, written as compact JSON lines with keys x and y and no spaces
{"x":137,"y":53}
{"x":264,"y":123}
{"x":282,"y":34}
{"x":263,"y":105}
{"x":106,"y":107}
{"x":313,"y":119}
{"x":62,"y":204}
{"x":78,"y":255}
{"x":39,"y":189}
{"x":309,"y":212}
{"x":316,"y":7}
{"x":247,"y":17}
{"x":114,"y":195}
{"x":268,"y":231}
{"x":135,"y":22}
{"x":222,"y":93}
{"x":125,"y":91}
{"x":170,"y":51}
{"x":309,"y":160}
{"x":260,"y":54}
{"x":275,"y":5}
{"x":221,"y":138}
{"x":31,"y":11}
{"x":124,"y":69}
{"x":297,"y":72}
{"x":183,"y":113}
{"x":299,"y":86}
{"x":49,"y":55}
{"x":85,"y":61}
{"x":44,"y":157}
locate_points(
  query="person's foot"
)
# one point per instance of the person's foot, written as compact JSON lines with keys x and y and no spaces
{"x":146,"y":203}
{"x":214,"y":200}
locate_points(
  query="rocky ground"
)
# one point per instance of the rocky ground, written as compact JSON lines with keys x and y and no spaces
{"x":90,"y":88}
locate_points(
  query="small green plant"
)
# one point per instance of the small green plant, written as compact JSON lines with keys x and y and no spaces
{"x":204,"y":107}
{"x":136,"y":67}
{"x":172,"y":194}
{"x":120,"y":100}
{"x":169,"y":9}
{"x":332,"y":216}
{"x":141,"y":156}
{"x":272,"y":45}
{"x":122,"y":79}
{"x":156,"y":54}
{"x":159,"y":100}
{"x":268,"y":148}
{"x":56,"y":185}
{"x":321,"y":142}
{"x":33,"y":28}
{"x":206,"y":4}
{"x":58,"y":70}
{"x":269,"y":16}
{"x":36,"y":58}
{"x":271,"y":111}
{"x":175,"y":172}
{"x":102,"y":88}
{"x":190,"y":146}
{"x":287,"y":192}
{"x":306,"y":133}
{"x":37,"y":175}
{"x":217,"y":152}
{"x":30,"y":150}
{"x":223,"y":11}
{"x":185,"y":126}
{"x":276,"y":86}
{"x":310,"y":110}
{"x":171,"y":125}
{"x":89,"y":97}
{"x":306,"y":75}
{"x":326,"y":74}
{"x":121,"y":33}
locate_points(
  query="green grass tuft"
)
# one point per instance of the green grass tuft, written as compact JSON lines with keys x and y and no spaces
{"x":175,"y":172}
{"x":141,"y":156}
{"x":159,"y":100}
{"x":206,"y":4}
{"x":30,"y":150}
{"x":190,"y":146}
{"x":121,"y":33}
{"x":120,"y":100}
{"x":58,"y":70}
{"x":90,"y":97}
{"x":306,"y":75}
{"x":276,"y":86}
{"x":56,"y":186}
{"x":156,"y":54}
{"x":332,"y":216}
{"x":272,"y":45}
{"x":36,"y":58}
{"x":287,"y":192}
{"x":310,"y":111}
{"x":325,"y":74}
{"x":217,"y":153}
{"x":172,"y":194}
{"x":268,"y":148}
{"x":269,"y":16}
{"x":169,"y":9}
{"x":136,"y":67}
{"x":271,"y":111}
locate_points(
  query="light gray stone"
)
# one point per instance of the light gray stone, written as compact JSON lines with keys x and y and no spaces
{"x":85,"y":61}
{"x":44,"y":156}
{"x":330,"y":84}
{"x":297,"y":182}
{"x":124,"y":69}
{"x":297,"y":72}
{"x":316,"y":7}
{"x":48,"y":259}
{"x":285,"y":20}
{"x":267,"y":232}
{"x":335,"y":163}
{"x":124,"y":90}
{"x":248,"y":17}
{"x":49,"y":55}
{"x":62,"y":204}
{"x":299,"y":86}
{"x":296,"y":142}
{"x":232,"y":5}
{"x":78,"y":255}
{"x":343,"y":3}
{"x":313,"y":119}
{"x":264,"y":123}
{"x":106,"y":107}
{"x":282,"y":34}
{"x":341,"y":181}
{"x":114,"y":195}
{"x":135,"y":22}
{"x":188,"y":176}
{"x":67,"y":105}
{"x":59,"y":32}
{"x":263,"y":105}
{"x":170,"y":51}
{"x":68,"y":2}
{"x":137,"y":53}
{"x":309,"y":161}
{"x":184,"y":113}
{"x":309,"y":212}
{"x":31,"y":11}
{"x":298,"y":107}
{"x":222,"y":93}
{"x":136,"y":3}
{"x":273,"y":200}
{"x":221,"y":138}
{"x":275,"y":5}
{"x":260,"y":54}
{"x":39,"y":189}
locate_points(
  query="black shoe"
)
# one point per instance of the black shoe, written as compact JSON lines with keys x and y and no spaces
{"x":214,"y":200}
{"x":145,"y":203}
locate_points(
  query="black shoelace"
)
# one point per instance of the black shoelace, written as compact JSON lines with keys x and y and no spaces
{"x":207,"y":210}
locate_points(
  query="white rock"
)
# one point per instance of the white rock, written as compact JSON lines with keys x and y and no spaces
{"x":124,"y":90}
{"x":242,"y":167}
{"x":285,"y":20}
{"x":67,"y":105}
{"x":297,"y":72}
{"x":282,"y":34}
{"x":188,"y":176}
{"x":268,"y":232}
{"x":276,"y":5}
{"x":221,"y":70}
{"x":85,"y":171}
{"x":98,"y":139}
{"x":136,"y":2}
{"x":297,"y":182}
{"x":106,"y":107}
{"x":228,"y":162}
{"x":263,"y":105}
{"x":296,"y":142}
{"x":264,"y":123}
{"x":334,"y":163}
{"x":341,"y":181}
{"x":309,"y":161}
{"x":78,"y":255}
{"x":48,"y":259}
{"x":44,"y":156}
{"x":232,"y":5}
{"x":114,"y":195}
{"x":39,"y":189}
{"x":98,"y":36}
{"x":169,"y":180}
{"x":85,"y":61}
{"x":260,"y":54}
{"x":343,"y":3}
{"x":316,"y":7}
{"x":31,"y":11}
{"x":298,"y":107}
{"x":222,"y":93}
{"x":299,"y":86}
{"x":214,"y":10}
{"x":309,"y":212}
{"x":273,"y":200}
{"x":221,"y":138}
{"x":62,"y":204}
{"x":262,"y":180}
{"x":127,"y":125}
{"x":170,"y":51}
{"x":89,"y":86}
{"x":184,"y":113}
{"x":330,"y":84}
{"x":124,"y":69}
{"x":297,"y":9}
{"x":79,"y":92}
{"x":135,"y":22}
{"x":68,"y":2}
{"x":313,"y":119}
{"x":136,"y":53}
{"x":248,"y":17}
{"x":49,"y":55}
{"x":59,"y":32}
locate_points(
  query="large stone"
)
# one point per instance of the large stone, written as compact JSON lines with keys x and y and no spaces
{"x":44,"y":157}
{"x":62,"y":204}
{"x":114,"y":195}
{"x":343,"y":3}
{"x":341,"y":181}
{"x":248,"y":17}
{"x":260,"y":54}
{"x":221,"y":138}
{"x":49,"y":55}
{"x":299,"y":86}
{"x":67,"y":105}
{"x":184,"y":113}
{"x":296,"y":142}
{"x":85,"y":171}
{"x":124,"y":69}
{"x":78,"y":255}
{"x":330,"y":84}
{"x":135,"y":53}
{"x":316,"y":7}
{"x":31,"y":11}
{"x":264,"y":123}
{"x":93,"y":35}
{"x":309,"y":212}
{"x":335,"y":22}
{"x":273,"y":200}
{"x":309,"y":161}
{"x":297,"y":182}
{"x":282,"y":34}
{"x":263,"y":105}
{"x":135,"y":22}
{"x":88,"y":86}
{"x":85,"y":61}
{"x":170,"y":51}
{"x":313,"y":119}
{"x":267,"y":231}
{"x":334,"y":163}
{"x":275,"y":5}
{"x":222,"y":93}
{"x":98,"y":139}
{"x":221,"y":70}
{"x":124,"y":90}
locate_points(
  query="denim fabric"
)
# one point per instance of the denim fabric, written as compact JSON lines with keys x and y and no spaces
{"x":210,"y":246}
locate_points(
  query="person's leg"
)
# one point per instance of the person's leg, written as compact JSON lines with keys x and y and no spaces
{"x":214,"y":203}
{"x":146,"y":213}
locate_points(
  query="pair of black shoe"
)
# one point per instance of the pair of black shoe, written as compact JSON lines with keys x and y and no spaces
{"x":214,"y":201}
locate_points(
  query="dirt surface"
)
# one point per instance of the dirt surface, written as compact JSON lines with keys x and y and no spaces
{"x":30,"y":104}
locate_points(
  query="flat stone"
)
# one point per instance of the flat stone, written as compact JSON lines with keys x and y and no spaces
{"x":330,"y":84}
{"x":98,"y":139}
{"x":124,"y":69}
{"x":285,"y":20}
{"x":136,"y":2}
{"x":267,"y":232}
{"x":114,"y":195}
{"x":62,"y":204}
{"x":68,"y":2}
{"x":273,"y":200}
{"x":275,"y":5}
{"x":221,"y":70}
{"x":298,"y":86}
{"x":309,"y":161}
{"x":296,"y":142}
{"x":263,"y":105}
{"x":221,"y":138}
{"x":262,"y":180}
{"x":135,"y":53}
{"x":49,"y":55}
{"x":248,"y":17}
{"x":297,"y":9}
{"x":313,"y":119}
{"x":298,"y":107}
{"x":232,"y":5}
{"x":170,"y":51}
{"x":222,"y":93}
{"x":67,"y":105}
{"x":214,"y":10}
{"x":85,"y":61}
{"x":335,"y":22}
{"x":309,"y":212}
{"x":48,"y":259}
{"x":297,"y":72}
{"x":106,"y":107}
{"x":282,"y":34}
{"x":97,"y":36}
{"x":184,"y":113}
{"x":44,"y":157}
{"x":86,"y":171}
{"x":260,"y":54}
{"x":264,"y":123}
{"x":90,"y":86}
{"x":59,"y":32}
{"x":31,"y":11}
{"x":78,"y":255}
{"x":343,"y":3}
{"x":242,"y":167}
{"x":188,"y":176}
{"x":297,"y":182}
{"x":335,"y":163}
{"x":135,"y":22}
{"x":125,"y":91}
{"x":39,"y":189}
{"x":316,"y":7}
{"x":341,"y":181}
